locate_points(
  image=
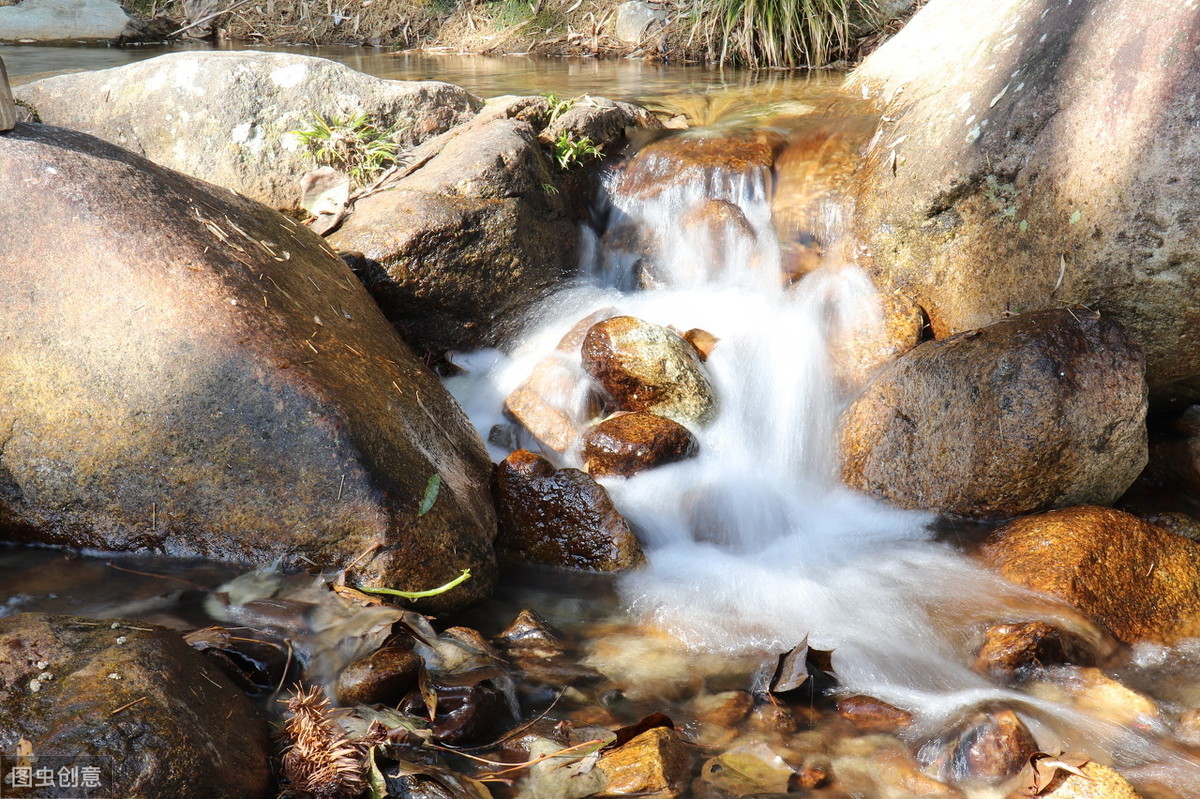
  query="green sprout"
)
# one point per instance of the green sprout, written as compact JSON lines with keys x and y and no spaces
{"x":569,"y":151}
{"x":353,"y":144}
{"x":441,"y":589}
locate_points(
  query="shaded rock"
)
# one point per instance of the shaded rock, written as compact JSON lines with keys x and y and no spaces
{"x":467,"y":240}
{"x":167,"y":721}
{"x":636,"y":19}
{"x":473,"y":707}
{"x":872,"y":715}
{"x":1040,"y":411}
{"x":1009,"y":650}
{"x":226,"y":117}
{"x":8,"y":109}
{"x":1139,"y":582}
{"x":1181,"y":524}
{"x":62,"y":20}
{"x":1040,"y":155}
{"x":632,"y":442}
{"x":383,"y":677}
{"x":724,"y":709}
{"x":266,"y":412}
{"x":991,"y":747}
{"x":654,"y":764}
{"x":561,"y":517}
{"x":530,"y":635}
{"x":646,"y":367}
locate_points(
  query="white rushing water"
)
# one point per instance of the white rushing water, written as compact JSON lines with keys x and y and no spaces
{"x":754,"y":544}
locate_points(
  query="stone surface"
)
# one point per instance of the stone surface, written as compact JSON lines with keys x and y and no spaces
{"x":629,"y":443}
{"x":1044,"y":154}
{"x":606,"y":123}
{"x":8,"y":110}
{"x":467,"y":241}
{"x":1139,"y":582}
{"x":991,"y":747}
{"x":654,"y":764}
{"x":545,"y":403}
{"x":659,"y":164}
{"x":1012,"y":650}
{"x":635,"y":19}
{"x":203,"y":378}
{"x":560,"y":517}
{"x":1042,"y":410}
{"x":646,"y":367}
{"x":384,"y":676}
{"x":169,"y":721}
{"x":872,"y":715}
{"x":1097,"y":782}
{"x":63,"y":20}
{"x":226,"y":117}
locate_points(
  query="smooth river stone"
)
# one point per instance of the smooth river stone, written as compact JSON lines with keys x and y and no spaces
{"x":632,"y":442}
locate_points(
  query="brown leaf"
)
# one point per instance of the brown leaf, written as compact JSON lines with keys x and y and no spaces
{"x":627,"y":734}
{"x":1043,"y":768}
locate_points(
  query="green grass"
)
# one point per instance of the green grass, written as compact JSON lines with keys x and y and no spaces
{"x":781,"y":33}
{"x":354,"y":144}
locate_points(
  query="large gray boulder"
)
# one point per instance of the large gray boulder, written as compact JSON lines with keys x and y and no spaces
{"x":1035,"y":155}
{"x":188,"y":372}
{"x":226,"y":117}
{"x":63,"y":20}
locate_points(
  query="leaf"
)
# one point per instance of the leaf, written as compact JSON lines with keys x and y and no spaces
{"x":1043,"y":770}
{"x":431,"y":494}
{"x":627,"y":734}
{"x":375,"y":781}
{"x":441,"y":589}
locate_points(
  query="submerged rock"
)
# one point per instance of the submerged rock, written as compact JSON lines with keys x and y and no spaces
{"x":872,"y":715}
{"x":654,"y":764}
{"x":1040,"y":411}
{"x":384,"y":676}
{"x":1097,"y":782}
{"x":203,"y":378}
{"x":165,"y":720}
{"x":646,"y":367}
{"x":226,"y":117}
{"x":991,"y":747}
{"x":1139,"y":582}
{"x":1012,"y":650}
{"x":628,"y":443}
{"x":469,"y":239}
{"x":561,"y":517}
{"x":1034,"y":155}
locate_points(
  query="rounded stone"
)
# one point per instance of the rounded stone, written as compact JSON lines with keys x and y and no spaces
{"x":633,"y":442}
{"x":383,"y":677}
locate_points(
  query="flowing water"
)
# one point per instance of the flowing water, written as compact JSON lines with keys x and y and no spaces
{"x":753,"y":546}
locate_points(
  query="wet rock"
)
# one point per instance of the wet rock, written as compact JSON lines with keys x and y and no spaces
{"x":629,"y":443}
{"x":383,"y":677}
{"x":544,"y":403}
{"x":63,"y":20}
{"x":1097,"y":782}
{"x":1042,"y":410}
{"x":1139,"y":582}
{"x":712,"y":236}
{"x":1095,"y":693}
{"x":661,"y":164}
{"x":529,"y":635}
{"x":1188,"y":730}
{"x":561,"y":517}
{"x":602,"y":121}
{"x":747,"y":769}
{"x":725,"y":709}
{"x":996,"y":186}
{"x":869,"y":714}
{"x":991,"y":748}
{"x":654,"y":764}
{"x":772,"y":719}
{"x":473,"y":707}
{"x":481,"y":240}
{"x":867,"y":338}
{"x":168,"y":721}
{"x":265,"y":413}
{"x":226,"y":117}
{"x":880,"y":766}
{"x":646,"y":367}
{"x":1009,"y":650}
{"x":702,"y":340}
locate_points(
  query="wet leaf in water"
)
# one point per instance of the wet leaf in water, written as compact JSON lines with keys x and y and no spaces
{"x":750,"y":770}
{"x":431,"y":494}
{"x":627,"y":734}
{"x":375,"y":781}
{"x":428,"y":693}
{"x":1043,"y":769}
{"x":802,"y":666}
{"x":427,"y":781}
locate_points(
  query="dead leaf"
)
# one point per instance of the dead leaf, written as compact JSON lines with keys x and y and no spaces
{"x":627,"y":734}
{"x":1043,"y":769}
{"x":325,"y":193}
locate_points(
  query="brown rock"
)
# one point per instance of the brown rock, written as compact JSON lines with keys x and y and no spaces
{"x":1040,"y":411}
{"x":467,"y":241}
{"x":861,"y":342}
{"x":1010,"y":649}
{"x":165,"y":719}
{"x":383,"y":677}
{"x":1139,"y":582}
{"x":561,"y":517}
{"x":726,"y":709}
{"x":654,"y":764}
{"x":633,"y":442}
{"x":542,"y":404}
{"x":702,"y":340}
{"x":992,"y":747}
{"x":997,"y":185}
{"x":530,"y":635}
{"x":1097,"y":782}
{"x":264,"y":413}
{"x":645,"y":367}
{"x":880,"y":765}
{"x":1099,"y":695}
{"x":661,"y":163}
{"x":712,"y":229}
{"x":872,"y":715}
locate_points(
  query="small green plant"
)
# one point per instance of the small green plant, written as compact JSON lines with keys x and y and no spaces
{"x":569,"y":151}
{"x":353,"y":144}
{"x":558,"y":105}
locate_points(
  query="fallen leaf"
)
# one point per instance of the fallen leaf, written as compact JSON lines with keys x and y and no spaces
{"x":1043,"y":769}
{"x":627,"y":734}
{"x":431,"y":494}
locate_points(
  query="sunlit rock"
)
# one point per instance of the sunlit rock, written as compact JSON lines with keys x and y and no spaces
{"x":560,"y":517}
{"x":1033,"y":155}
{"x":134,"y":698}
{"x":1010,"y":651}
{"x":201,"y":377}
{"x":1096,"y":782}
{"x":654,"y":764}
{"x":989,"y":747}
{"x":646,"y":367}
{"x":872,"y":715}
{"x":63,"y":20}
{"x":628,"y":443}
{"x":1039,"y":411}
{"x":1136,"y":580}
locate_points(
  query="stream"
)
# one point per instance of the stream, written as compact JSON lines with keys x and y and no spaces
{"x":754,"y":548}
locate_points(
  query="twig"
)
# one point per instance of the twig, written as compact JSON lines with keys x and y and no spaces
{"x":208,"y":18}
{"x":112,"y":565}
{"x":128,"y":705}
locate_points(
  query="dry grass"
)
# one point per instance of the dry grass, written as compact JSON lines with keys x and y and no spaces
{"x":403,"y":23}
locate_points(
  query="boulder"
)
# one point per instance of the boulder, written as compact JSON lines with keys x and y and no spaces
{"x":1139,"y":582}
{"x":465,"y":242}
{"x":1033,"y":155}
{"x":646,"y":367}
{"x":561,"y":517}
{"x":63,"y":20}
{"x":226,"y":117}
{"x":1040,"y":411}
{"x":606,"y":123}
{"x":202,"y":377}
{"x":628,"y":443}
{"x":133,"y":698}
{"x":8,"y":109}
